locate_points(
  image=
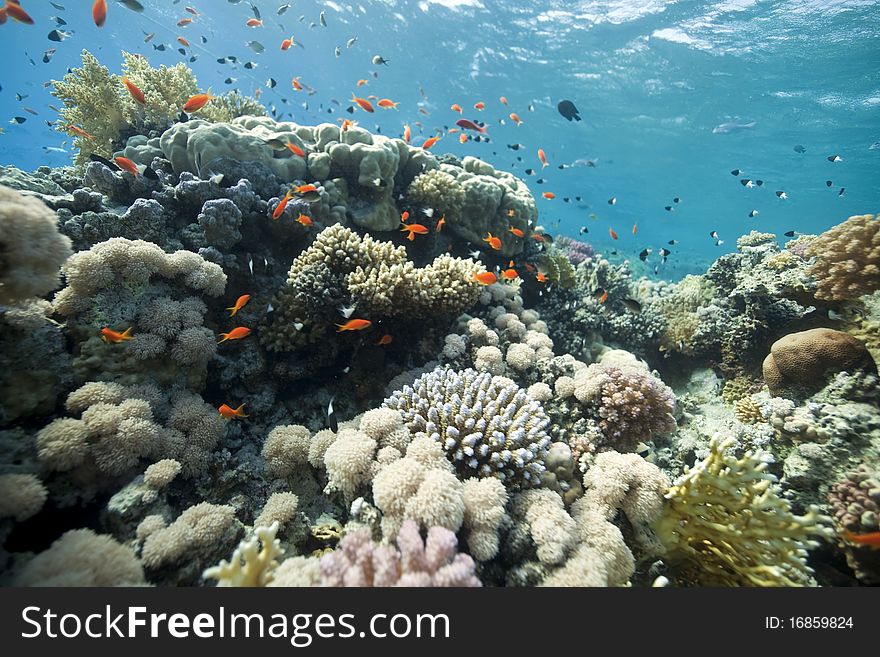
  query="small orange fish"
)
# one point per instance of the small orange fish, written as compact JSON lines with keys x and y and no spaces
{"x":452,"y":131}
{"x":237,"y":333}
{"x":503,"y":100}
{"x":430,"y":142}
{"x":354,"y":325}
{"x":363,"y":103}
{"x":492,"y":241}
{"x":362,"y":82}
{"x":413,"y":230}
{"x":612,"y":233}
{"x":462,"y":138}
{"x":305,"y":220}
{"x":384,"y":340}
{"x":872,"y":539}
{"x":486,"y":278}
{"x":197,"y":102}
{"x":17,"y":13}
{"x":183,"y":22}
{"x":109,"y":335}
{"x":543,"y":158}
{"x":455,"y":107}
{"x":604,"y":296}
{"x":296,"y":150}
{"x":480,"y":106}
{"x":346,"y":124}
{"x":254,"y":22}
{"x":239,"y":304}
{"x":440,"y":224}
{"x":516,"y":231}
{"x":127,"y":165}
{"x":537,"y":237}
{"x":548,"y":195}
{"x":279,"y":209}
{"x":295,"y":83}
{"x":183,"y":42}
{"x":407,"y":132}
{"x":515,"y":118}
{"x":509,"y":274}
{"x":229,"y":413}
{"x":387,"y":103}
{"x":305,"y":189}
{"x":78,"y":131}
{"x":285,"y":45}
{"x":135,"y":91}
{"x":404,"y":216}
{"x":542,"y":278}
{"x":99,"y":12}
{"x":635,"y":229}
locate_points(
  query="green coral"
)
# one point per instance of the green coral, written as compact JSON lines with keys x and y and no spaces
{"x":558,"y":268}
{"x":98,"y":102}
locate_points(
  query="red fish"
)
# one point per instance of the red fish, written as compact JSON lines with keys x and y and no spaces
{"x":127,"y":165}
{"x":543,"y":158}
{"x":183,"y":42}
{"x":99,"y":12}
{"x":407,"y":132}
{"x":285,"y":45}
{"x":79,"y":132}
{"x":430,"y":142}
{"x":183,"y":22}
{"x":237,"y":333}
{"x":239,"y":304}
{"x":604,"y":297}
{"x":470,"y":125}
{"x":387,"y":103}
{"x":305,"y":221}
{"x":254,"y":22}
{"x":503,"y":100}
{"x":296,"y":150}
{"x":515,"y":118}
{"x":17,"y":13}
{"x":493,"y":241}
{"x":229,"y":413}
{"x":871,"y":540}
{"x":635,"y":229}
{"x":516,"y":231}
{"x":548,"y":195}
{"x":509,"y":274}
{"x":484,"y":278}
{"x":612,"y":233}
{"x":354,"y":325}
{"x":296,"y":84}
{"x":440,"y":223}
{"x":305,"y":189}
{"x":109,"y":335}
{"x":135,"y":91}
{"x":197,"y":102}
{"x":413,"y":230}
{"x":462,"y":138}
{"x":363,"y":103}
{"x":455,"y":107}
{"x":384,"y":340}
{"x":279,"y":209}
{"x":480,"y":106}
{"x":541,"y":276}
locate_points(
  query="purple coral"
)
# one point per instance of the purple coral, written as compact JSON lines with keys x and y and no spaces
{"x":576,"y":250}
{"x":358,"y":561}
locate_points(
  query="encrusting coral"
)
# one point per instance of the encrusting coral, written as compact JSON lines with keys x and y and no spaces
{"x":847,"y":259}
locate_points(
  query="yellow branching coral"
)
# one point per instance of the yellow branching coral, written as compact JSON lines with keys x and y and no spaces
{"x":253,"y":562}
{"x":847,"y":257}
{"x":725,"y":524}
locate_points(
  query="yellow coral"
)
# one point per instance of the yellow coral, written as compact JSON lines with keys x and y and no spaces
{"x":847,"y":257}
{"x":680,"y":309}
{"x":726,"y":524}
{"x":747,"y":411}
{"x":253,"y":561}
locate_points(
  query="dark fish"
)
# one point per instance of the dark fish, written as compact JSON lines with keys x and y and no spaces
{"x":799,"y":149}
{"x":282,"y":9}
{"x":668,"y":208}
{"x":735,"y":172}
{"x":781,"y":194}
{"x":94,"y":157}
{"x":644,"y":254}
{"x":577,"y":198}
{"x":18,"y":119}
{"x":713,"y":234}
{"x":332,"y":424}
{"x":515,"y":147}
{"x":256,"y":46}
{"x":230,"y":80}
{"x":58,"y":35}
{"x":134,"y":5}
{"x":632,"y":305}
{"x":182,"y":117}
{"x":271,"y":83}
{"x":759,"y":183}
{"x":47,"y":56}
{"x":251,"y":65}
{"x":57,"y":6}
{"x":672,"y":242}
{"x":828,"y":183}
{"x":150,"y":173}
{"x":676,"y":200}
{"x":530,"y":172}
{"x":745,"y":182}
{"x":568,"y":110}
{"x":21,"y":97}
{"x":665,"y":252}
{"x":566,"y":199}
{"x":842,"y":189}
{"x":540,"y":181}
{"x":753,"y":214}
{"x":161,"y":47}
{"x":221,"y":60}
{"x":612,"y":200}
{"x":790,"y":233}
{"x":584,"y":229}
{"x":835,"y":158}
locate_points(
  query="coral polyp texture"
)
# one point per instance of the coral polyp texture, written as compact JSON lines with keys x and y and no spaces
{"x":847,"y":259}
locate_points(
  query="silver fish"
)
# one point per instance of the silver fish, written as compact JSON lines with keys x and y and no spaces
{"x":732,"y":126}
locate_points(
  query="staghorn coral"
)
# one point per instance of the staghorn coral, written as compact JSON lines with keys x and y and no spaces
{"x":487,"y":426}
{"x":432,"y":561}
{"x":847,"y":259}
{"x":31,"y":248}
{"x":726,"y":524}
{"x":253,"y":561}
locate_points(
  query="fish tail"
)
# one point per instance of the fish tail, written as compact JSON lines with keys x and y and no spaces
{"x":225,"y":337}
{"x":126,"y":333}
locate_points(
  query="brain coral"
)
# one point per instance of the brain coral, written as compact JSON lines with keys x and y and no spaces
{"x":799,"y":363}
{"x":488,"y":426}
{"x":847,"y":257}
{"x":31,"y":248}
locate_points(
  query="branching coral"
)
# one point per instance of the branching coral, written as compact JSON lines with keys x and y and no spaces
{"x":847,"y":259}
{"x":727,"y":524}
{"x":253,"y":561}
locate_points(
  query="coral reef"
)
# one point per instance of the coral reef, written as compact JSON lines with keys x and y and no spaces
{"x":854,"y":503}
{"x":847,"y":259}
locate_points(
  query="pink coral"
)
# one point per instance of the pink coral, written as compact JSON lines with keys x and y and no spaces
{"x":434,"y":562}
{"x":576,"y":250}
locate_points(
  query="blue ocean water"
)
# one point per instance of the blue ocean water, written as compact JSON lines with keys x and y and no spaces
{"x":653,"y":81}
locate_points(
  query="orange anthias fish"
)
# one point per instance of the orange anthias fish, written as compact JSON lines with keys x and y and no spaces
{"x":541,"y":276}
{"x":183,"y":42}
{"x":486,"y":278}
{"x":870,"y":540}
{"x":17,"y":13}
{"x":305,"y":189}
{"x":538,"y":237}
{"x":548,"y":195}
{"x":230,"y":413}
{"x":612,"y":233}
{"x":254,"y":22}
{"x":135,"y":91}
{"x":237,"y":333}
{"x":509,"y":274}
{"x":295,"y":83}
{"x":99,"y":12}
{"x":480,"y":106}
{"x":503,"y":100}
{"x":407,"y":132}
{"x":285,"y":45}
{"x":197,"y":102}
{"x":362,"y":82}
{"x":515,"y":118}
{"x":279,"y":209}
{"x":493,"y":241}
{"x":430,"y":142}
{"x":455,"y":107}
{"x":109,"y":335}
{"x":305,"y":220}
{"x":516,"y":231}
{"x":127,"y":165}
{"x":79,"y":132}
{"x":354,"y":325}
{"x":387,"y":103}
{"x":239,"y":304}
{"x":404,"y":216}
{"x":462,"y":138}
{"x":384,"y":340}
{"x":635,"y":229}
{"x":543,"y":158}
{"x":604,"y":296}
{"x":346,"y":124}
{"x":296,"y":150}
{"x":440,"y":223}
{"x":183,"y":22}
{"x":413,"y":230}
{"x":363,"y":103}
